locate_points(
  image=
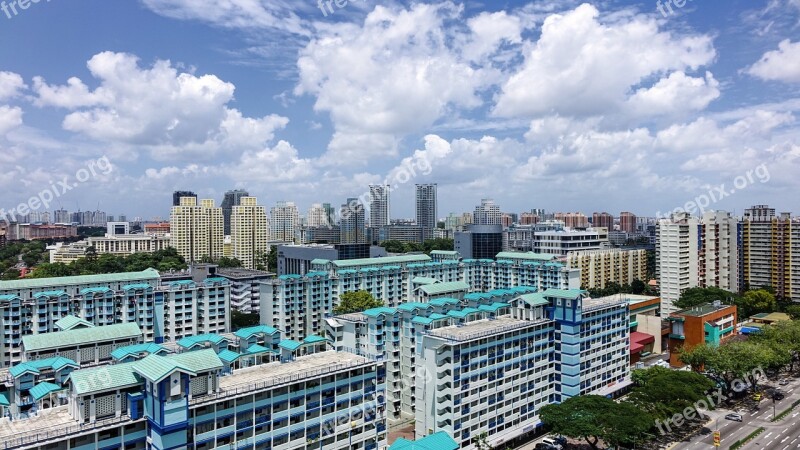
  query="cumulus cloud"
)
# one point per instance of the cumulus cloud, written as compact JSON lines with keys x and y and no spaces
{"x":10,"y":118}
{"x":779,"y":65}
{"x":11,"y":85}
{"x":584,"y":66}
{"x":159,"y":108}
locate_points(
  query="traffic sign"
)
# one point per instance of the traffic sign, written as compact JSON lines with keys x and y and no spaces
{"x":717,"y":438}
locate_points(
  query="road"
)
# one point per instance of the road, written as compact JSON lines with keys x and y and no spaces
{"x":781,"y":435}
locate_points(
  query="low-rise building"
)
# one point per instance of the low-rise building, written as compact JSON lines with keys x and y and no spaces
{"x":708,"y":323}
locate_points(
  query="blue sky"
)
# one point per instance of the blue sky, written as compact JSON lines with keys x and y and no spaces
{"x":562,"y":105}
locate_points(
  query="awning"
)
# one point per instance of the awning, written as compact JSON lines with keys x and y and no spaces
{"x":636,"y":348}
{"x":642,"y":338}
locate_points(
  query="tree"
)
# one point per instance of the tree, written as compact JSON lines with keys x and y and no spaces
{"x":782,"y":337}
{"x":793,"y":311}
{"x":357,"y":301}
{"x":736,"y":360}
{"x":664,"y":393}
{"x":697,"y":296}
{"x":438,"y":244}
{"x":594,"y":418}
{"x":226,"y":262}
{"x":10,"y":274}
{"x":241,"y":320}
{"x":638,"y":287}
{"x":272,"y":259}
{"x":754,"y":302}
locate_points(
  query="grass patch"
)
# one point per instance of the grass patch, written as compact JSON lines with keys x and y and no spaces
{"x":746,"y":439}
{"x":786,"y":411}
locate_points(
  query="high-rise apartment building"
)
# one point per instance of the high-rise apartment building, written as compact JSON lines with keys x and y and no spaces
{"x":197,"y":230}
{"x":771,"y":251}
{"x":177,"y":195}
{"x":249,"y":233}
{"x":604,"y":220}
{"x":379,"y":206}
{"x":692,"y":252}
{"x":627,"y":222}
{"x":284,"y":222}
{"x":317,"y":216}
{"x":487,"y":213}
{"x":232,"y":198}
{"x":573,"y":220}
{"x":61,"y":216}
{"x":600,"y":267}
{"x":427,"y":208}
{"x":352,"y":222}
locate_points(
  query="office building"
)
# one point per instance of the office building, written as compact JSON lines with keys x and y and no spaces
{"x":249,"y":389}
{"x":250,"y":233}
{"x":600,"y":267}
{"x":297,"y":304}
{"x":627,"y":222}
{"x":197,"y":230}
{"x":163,"y":312}
{"x":709,"y":324}
{"x":352,"y":223}
{"x":487,"y":213}
{"x":177,"y":195}
{"x":771,"y":252}
{"x":284,"y":222}
{"x":118,"y":228}
{"x":479,"y":241}
{"x":603,"y":220}
{"x":426,"y":205}
{"x":379,"y":206}
{"x":320,"y":235}
{"x":561,"y":242}
{"x":318,"y":217}
{"x":157,"y":229}
{"x":489,"y":362}
{"x":692,"y":252}
{"x":404,"y":233}
{"x":231,"y":199}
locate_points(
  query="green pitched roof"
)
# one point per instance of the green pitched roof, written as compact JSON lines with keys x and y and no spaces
{"x":424,"y":280}
{"x":228,"y":356}
{"x":494,"y":307}
{"x":70,"y":322}
{"x":526,"y":256}
{"x":382,"y":261}
{"x":198,"y":361}
{"x":289,"y":344}
{"x":255,"y":349}
{"x":445,"y":288}
{"x":569,"y":294}
{"x":130,"y":350}
{"x":41,"y":390}
{"x":44,"y":283}
{"x":37,"y":342}
{"x":247,"y":333}
{"x":99,"y":379}
{"x":463,"y":313}
{"x":312,"y":339}
{"x":375,"y":312}
{"x":191,"y":341}
{"x":436,"y":441}
{"x":444,"y":301}
{"x":535,"y":299}
{"x":444,"y":252}
{"x":155,"y":367}
{"x":410,"y":306}
{"x":4,"y":400}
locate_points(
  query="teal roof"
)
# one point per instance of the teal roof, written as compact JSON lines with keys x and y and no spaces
{"x":19,"y":369}
{"x":444,"y":301}
{"x":228,"y":356}
{"x":436,"y":441}
{"x":463,"y":313}
{"x":37,"y":342}
{"x":312,"y":339}
{"x":95,"y":290}
{"x":494,"y":307}
{"x":444,"y":252}
{"x":424,"y":280}
{"x":247,"y":333}
{"x":535,"y":299}
{"x":110,"y":377}
{"x":410,"y":306}
{"x":49,"y":294}
{"x":56,"y":363}
{"x":191,"y":341}
{"x":45,"y":283}
{"x":526,"y":256}
{"x":445,"y":288}
{"x":43,"y":389}
{"x":430,"y":319}
{"x":402,"y":259}
{"x":320,"y":261}
{"x":289,"y":344}
{"x":290,"y":277}
{"x":256,"y":349}
{"x":133,"y":350}
{"x":316,"y":274}
{"x":8,"y":297}
{"x":70,"y":322}
{"x":156,"y":367}
{"x":569,"y":294}
{"x":4,"y":400}
{"x":198,"y":361}
{"x":375,"y":312}
{"x":477,"y":296}
{"x":136,"y":287}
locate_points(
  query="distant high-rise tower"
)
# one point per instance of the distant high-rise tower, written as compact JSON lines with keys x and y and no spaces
{"x":61,"y":216}
{"x":627,"y":222}
{"x":427,"y":209}
{"x":379,"y":206}
{"x":249,"y":232}
{"x":487,"y":213}
{"x":352,"y":222}
{"x":197,"y":229}
{"x":232,"y":198}
{"x":177,"y":195}
{"x":771,"y":251}
{"x":604,"y":220}
{"x":317,"y":216}
{"x":284,"y":222}
{"x":330,"y":213}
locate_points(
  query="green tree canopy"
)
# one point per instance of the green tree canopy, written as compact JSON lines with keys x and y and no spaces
{"x":697,"y":296}
{"x":663,"y":392}
{"x":793,"y":311}
{"x":162,"y":260}
{"x":356,"y":301}
{"x":755,"y":302}
{"x":594,"y":418}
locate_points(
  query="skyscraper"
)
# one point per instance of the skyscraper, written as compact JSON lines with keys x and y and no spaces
{"x":317,"y":216}
{"x":177,"y":195}
{"x":61,"y":216}
{"x":487,"y":213}
{"x":232,"y":198}
{"x":330,"y":213}
{"x":627,"y":222}
{"x":352,"y":222}
{"x":249,"y":232}
{"x":604,"y":220}
{"x":284,"y":222}
{"x":427,"y":208}
{"x":197,"y":229}
{"x":379,"y":206}
{"x":771,"y":251}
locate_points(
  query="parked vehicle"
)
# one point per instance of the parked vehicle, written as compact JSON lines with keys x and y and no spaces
{"x":543,"y":446}
{"x":553,"y":442}
{"x":783,"y":382}
{"x":734,"y":417}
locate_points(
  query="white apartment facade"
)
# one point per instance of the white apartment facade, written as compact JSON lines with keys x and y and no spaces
{"x":197,"y":231}
{"x":600,"y":267}
{"x":249,"y":233}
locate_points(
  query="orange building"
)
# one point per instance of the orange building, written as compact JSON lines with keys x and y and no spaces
{"x":710,"y":324}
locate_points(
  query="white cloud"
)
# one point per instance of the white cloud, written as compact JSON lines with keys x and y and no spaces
{"x":675,"y":94}
{"x":582,"y":66}
{"x":779,"y":65}
{"x":158,"y":108}
{"x":10,"y":118}
{"x":11,"y":84}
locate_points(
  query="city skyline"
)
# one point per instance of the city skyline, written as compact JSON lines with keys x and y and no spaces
{"x":280,"y":121}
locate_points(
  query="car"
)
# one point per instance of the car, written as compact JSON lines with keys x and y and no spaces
{"x":778,"y":395}
{"x":543,"y":446}
{"x":783,"y":382}
{"x":734,"y":417}
{"x":552,"y":442}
